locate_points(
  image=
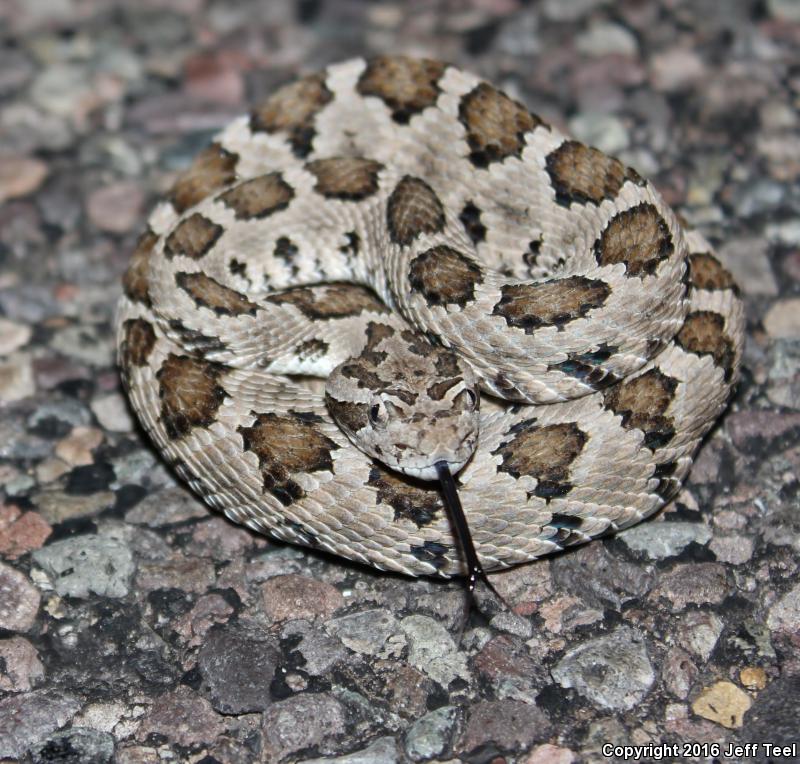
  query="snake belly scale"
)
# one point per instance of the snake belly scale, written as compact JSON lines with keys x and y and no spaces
{"x":477,"y":291}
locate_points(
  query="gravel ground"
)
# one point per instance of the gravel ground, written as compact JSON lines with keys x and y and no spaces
{"x":138,"y":626}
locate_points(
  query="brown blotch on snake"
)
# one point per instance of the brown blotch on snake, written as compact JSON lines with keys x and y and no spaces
{"x":706,"y":272}
{"x":345,"y":178}
{"x":258,"y":197}
{"x":193,"y":237}
{"x":135,"y":281}
{"x":405,"y":85}
{"x":580,"y":173}
{"x":495,"y":124}
{"x":642,"y":403}
{"x":330,"y":301}
{"x":703,"y":333}
{"x":444,"y":276}
{"x":413,"y":209}
{"x":354,"y":416}
{"x":213,"y":169}
{"x":544,"y":452}
{"x":287,"y":445}
{"x":411,"y":499}
{"x":190,"y":393}
{"x":553,"y":303}
{"x":140,"y":337}
{"x":638,"y":238}
{"x":292,"y":110}
{"x":209,"y":293}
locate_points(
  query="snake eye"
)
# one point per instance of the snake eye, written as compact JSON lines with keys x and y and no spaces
{"x":376,"y":415}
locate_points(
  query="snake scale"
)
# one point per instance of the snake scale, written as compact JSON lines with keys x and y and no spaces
{"x":484,"y":297}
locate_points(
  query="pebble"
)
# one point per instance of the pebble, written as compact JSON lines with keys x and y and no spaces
{"x":380,"y":751}
{"x":182,"y":717}
{"x":774,"y":714}
{"x":734,"y":550}
{"x":782,"y":320}
{"x":659,"y":540}
{"x":20,"y":176}
{"x":21,"y":532}
{"x":369,"y":632}
{"x":166,"y":507}
{"x":604,"y":131}
{"x":753,"y":677}
{"x":604,"y":38}
{"x":675,"y":69}
{"x":300,"y":722}
{"x":13,"y":336}
{"x":507,"y":724}
{"x":550,"y":754}
{"x":699,"y":633}
{"x":116,"y":208}
{"x":237,"y":665}
{"x":320,"y":651}
{"x":787,"y":232}
{"x":187,"y":573}
{"x":288,"y":597}
{"x":723,"y":703}
{"x":16,"y":378}
{"x":430,"y":735}
{"x":27,"y":718}
{"x":57,"y":506}
{"x":679,"y":672}
{"x":88,"y":564}
{"x":112,"y":413}
{"x":784,"y":615}
{"x":19,"y":600}
{"x":431,"y":650}
{"x":613,"y":671}
{"x":693,"y":584}
{"x":80,"y":745}
{"x":20,"y":667}
{"x":76,"y":449}
{"x":598,"y":578}
{"x":748,"y":260}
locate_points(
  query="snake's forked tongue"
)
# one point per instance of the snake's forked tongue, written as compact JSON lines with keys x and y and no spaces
{"x":452,"y":503}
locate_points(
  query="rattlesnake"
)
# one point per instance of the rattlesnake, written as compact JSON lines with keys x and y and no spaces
{"x":419,"y":238}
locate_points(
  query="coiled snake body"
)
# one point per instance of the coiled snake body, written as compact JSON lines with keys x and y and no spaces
{"x":416,"y":237}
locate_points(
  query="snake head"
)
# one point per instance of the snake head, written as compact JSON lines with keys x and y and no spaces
{"x":407,"y":403}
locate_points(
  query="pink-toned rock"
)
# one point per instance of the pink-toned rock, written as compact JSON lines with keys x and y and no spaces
{"x":676,"y":68}
{"x":13,"y":336}
{"x":290,"y":597}
{"x":116,"y":208}
{"x":182,"y":717}
{"x":76,"y":449}
{"x":21,"y":532}
{"x":692,"y":584}
{"x":215,"y":77}
{"x":208,"y":611}
{"x":20,"y":667}
{"x":187,"y":573}
{"x":550,"y":754}
{"x":19,"y":600}
{"x":20,"y":176}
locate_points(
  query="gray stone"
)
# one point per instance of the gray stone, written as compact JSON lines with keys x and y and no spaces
{"x":19,"y":600}
{"x":20,"y":667}
{"x":369,"y":632}
{"x":300,"y":722}
{"x":784,"y":615}
{"x":430,"y":735}
{"x":88,"y":564}
{"x":75,"y":745}
{"x":432,"y":650}
{"x":27,"y":718}
{"x":168,"y":506}
{"x":509,"y":725}
{"x":604,"y":38}
{"x":238,"y":666}
{"x":381,"y":751}
{"x":660,"y":540}
{"x":604,"y":131}
{"x":613,"y":671}
{"x":748,"y":260}
{"x":319,"y":650}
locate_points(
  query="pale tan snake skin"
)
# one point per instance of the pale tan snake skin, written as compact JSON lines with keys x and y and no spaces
{"x":559,"y":277}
